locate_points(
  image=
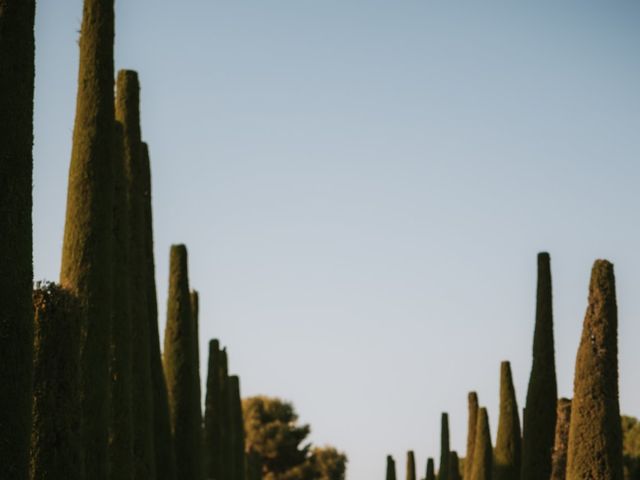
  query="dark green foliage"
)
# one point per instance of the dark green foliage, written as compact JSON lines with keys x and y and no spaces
{"x":215,"y":406}
{"x":179,"y":368}
{"x":472,"y":401}
{"x":431,"y":470}
{"x":411,"y":466}
{"x":631,"y":450}
{"x":454,"y":466}
{"x":195,"y":309}
{"x":540,"y":411}
{"x":236,"y":428}
{"x":165,"y":460}
{"x":56,"y":448}
{"x":128,"y":113}
{"x":327,"y":463}
{"x":16,"y":241}
{"x":391,"y":468}
{"x":483,"y":455}
{"x":86,"y":268}
{"x":507,"y":451}
{"x":443,"y":472}
{"x":559,"y":457}
{"x":595,"y":435}
{"x":254,"y":466}
{"x":120,"y":426}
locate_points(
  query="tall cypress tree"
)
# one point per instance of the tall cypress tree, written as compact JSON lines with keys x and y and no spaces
{"x":226,"y":447}
{"x":391,"y":468}
{"x":431,"y":470}
{"x":16,"y":241}
{"x":195,"y":310}
{"x":454,"y":466}
{"x":595,"y":432}
{"x":86,"y":268}
{"x":128,"y":113}
{"x":443,"y":472}
{"x":179,"y":367}
{"x":213,"y":413}
{"x":120,"y":427}
{"x":559,"y":463}
{"x":540,"y":410}
{"x":507,"y":451}
{"x":236,"y":424}
{"x":56,"y":446}
{"x":165,"y":460}
{"x":472,"y":401}
{"x":411,"y":466}
{"x":483,"y":455}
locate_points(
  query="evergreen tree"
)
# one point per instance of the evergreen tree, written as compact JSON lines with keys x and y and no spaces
{"x":16,"y":242}
{"x":236,"y":428}
{"x":179,"y":368}
{"x":559,"y":463}
{"x":472,"y":401}
{"x":540,"y":410}
{"x":391,"y":468}
{"x":86,"y":268}
{"x":595,"y":432}
{"x":165,"y":460}
{"x":213,"y":416}
{"x":120,"y":427}
{"x":483,"y":455}
{"x":454,"y":466}
{"x":411,"y":466}
{"x":195,"y":310}
{"x":128,"y":113}
{"x":507,"y":451}
{"x":443,"y":473}
{"x":56,"y":448}
{"x":431,"y":470}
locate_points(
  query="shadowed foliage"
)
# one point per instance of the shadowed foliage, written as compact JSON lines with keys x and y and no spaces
{"x":443,"y":473}
{"x":236,"y":428}
{"x":195,"y":311}
{"x":472,"y":401}
{"x":165,"y":460}
{"x":431,"y":470}
{"x":16,"y":241}
{"x":179,"y":368}
{"x":483,"y":454}
{"x":506,"y":458}
{"x":454,"y":466}
{"x":128,"y":113}
{"x":559,"y":457}
{"x":595,"y":432}
{"x":254,"y":466}
{"x":327,"y":463}
{"x":120,"y":426}
{"x":86,"y":267}
{"x":631,"y":447}
{"x":214,"y":413}
{"x":391,"y":468}
{"x":540,"y":410}
{"x":411,"y":466}
{"x":56,"y":448}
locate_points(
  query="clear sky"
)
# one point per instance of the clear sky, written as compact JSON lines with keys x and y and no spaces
{"x":363,"y":187}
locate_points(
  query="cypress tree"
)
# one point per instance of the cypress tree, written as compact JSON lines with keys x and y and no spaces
{"x":454,"y":466}
{"x":472,"y":401}
{"x":431,"y":470}
{"x":595,"y":432}
{"x":86,"y":268}
{"x":195,"y":309}
{"x":179,"y":368}
{"x":443,"y":473}
{"x":120,"y":427}
{"x":411,"y":466}
{"x":540,"y":410}
{"x":226,"y":447}
{"x":165,"y":459}
{"x":507,"y":451}
{"x":16,"y":241}
{"x":236,"y":428}
{"x":391,"y":468}
{"x":128,"y":113}
{"x":56,"y":448}
{"x":213,"y":418}
{"x":483,"y":455}
{"x":559,"y":458}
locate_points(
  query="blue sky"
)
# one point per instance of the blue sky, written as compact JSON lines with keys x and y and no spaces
{"x":363,"y":187}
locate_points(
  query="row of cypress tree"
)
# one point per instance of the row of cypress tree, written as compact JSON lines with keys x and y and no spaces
{"x":86,"y":392}
{"x":562,"y":439}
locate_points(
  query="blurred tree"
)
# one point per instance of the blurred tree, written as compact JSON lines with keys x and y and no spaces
{"x":631,"y":447}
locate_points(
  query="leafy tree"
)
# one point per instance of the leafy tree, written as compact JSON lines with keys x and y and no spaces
{"x":631,"y":447}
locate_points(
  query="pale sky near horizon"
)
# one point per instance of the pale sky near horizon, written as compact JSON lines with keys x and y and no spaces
{"x":363,"y":188}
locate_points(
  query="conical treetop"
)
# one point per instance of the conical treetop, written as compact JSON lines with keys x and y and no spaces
{"x":559,"y":458}
{"x":411,"y":466}
{"x":443,"y":473}
{"x":472,"y":401}
{"x":454,"y":466}
{"x":483,"y":454}
{"x":507,"y":451}
{"x":391,"y":468}
{"x":431,"y":470}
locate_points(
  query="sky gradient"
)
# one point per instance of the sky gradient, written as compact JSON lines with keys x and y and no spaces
{"x":363,"y":188}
